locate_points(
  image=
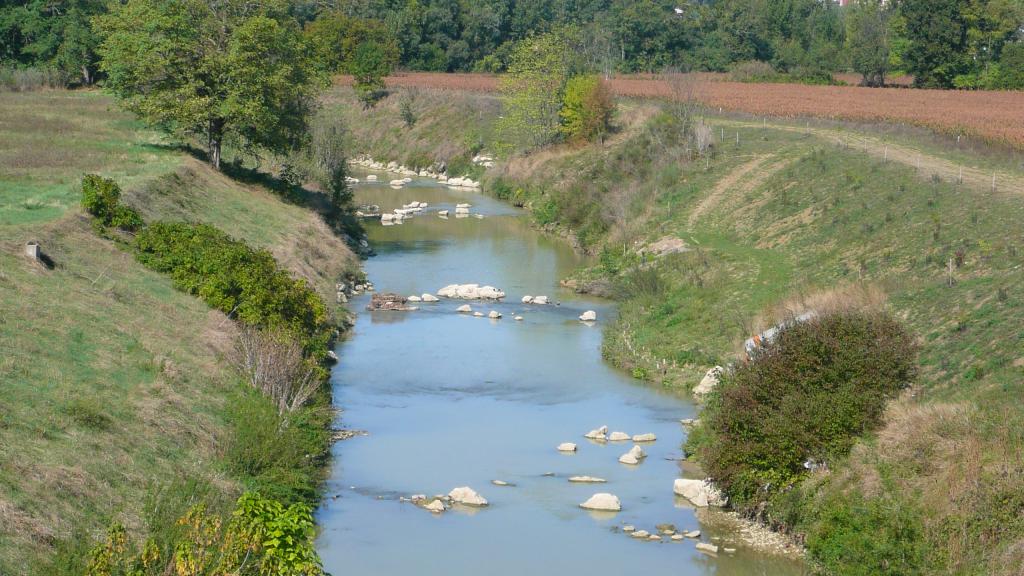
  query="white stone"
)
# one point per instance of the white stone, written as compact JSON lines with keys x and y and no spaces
{"x":566,"y":447}
{"x":494,"y":315}
{"x":397,"y":183}
{"x":634,"y":456}
{"x":429,"y":298}
{"x":654,"y":537}
{"x":466,"y":206}
{"x":728,"y":550}
{"x":371,"y":178}
{"x":709,"y":381}
{"x":629,"y":528}
{"x":443,"y":213}
{"x":464,"y":308}
{"x":589,"y":316}
{"x":449,"y":291}
{"x":414,"y":299}
{"x":700,"y":493}
{"x":500,"y":483}
{"x":519,"y":318}
{"x":478,"y":314}
{"x":467,"y":496}
{"x":705,"y":547}
{"x":598,"y":434}
{"x":587,"y":480}
{"x":645,"y":437}
{"x":692,"y":534}
{"x":676,"y":537}
{"x":527,"y":299}
{"x":618,"y":437}
{"x":435,"y":506}
{"x":603,"y":501}
{"x":540,"y":299}
{"x":640,"y":534}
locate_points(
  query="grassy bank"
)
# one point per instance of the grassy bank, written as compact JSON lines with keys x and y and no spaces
{"x":119,"y":404}
{"x":774,"y":220}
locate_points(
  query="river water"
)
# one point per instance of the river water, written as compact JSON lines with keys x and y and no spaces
{"x":452,"y":400}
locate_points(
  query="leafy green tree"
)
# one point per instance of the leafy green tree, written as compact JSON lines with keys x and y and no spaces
{"x":335,"y":36}
{"x":223,"y":71}
{"x":937,"y":31}
{"x":867,"y":41}
{"x":587,"y":108}
{"x":370,"y":65}
{"x":53,"y":34}
{"x":538,"y":69}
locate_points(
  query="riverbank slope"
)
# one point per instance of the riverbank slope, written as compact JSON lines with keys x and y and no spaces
{"x":118,"y":401}
{"x":704,"y":251}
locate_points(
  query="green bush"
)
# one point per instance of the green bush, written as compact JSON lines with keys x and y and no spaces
{"x":867,"y":537}
{"x":807,"y":396}
{"x":240,"y":281}
{"x":281,"y":456}
{"x":101,"y":197}
{"x":587,"y":108}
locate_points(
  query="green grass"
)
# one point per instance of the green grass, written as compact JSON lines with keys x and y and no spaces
{"x":115,"y":384}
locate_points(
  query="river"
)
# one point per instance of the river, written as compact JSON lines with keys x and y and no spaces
{"x":453,"y":400}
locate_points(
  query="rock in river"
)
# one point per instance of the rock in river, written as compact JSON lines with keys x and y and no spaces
{"x":566,"y":447}
{"x":587,"y":479}
{"x":429,"y":298}
{"x":705,"y":547}
{"x":598,"y":434}
{"x":602,"y":501}
{"x":645,"y":437}
{"x":464,"y":308}
{"x":634,"y":456}
{"x":467,"y":496}
{"x":589,"y":316}
{"x":494,"y":314}
{"x":700,"y":493}
{"x":618,"y":437}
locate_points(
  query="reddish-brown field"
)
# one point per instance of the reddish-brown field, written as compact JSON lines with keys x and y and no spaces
{"x":994,"y":116}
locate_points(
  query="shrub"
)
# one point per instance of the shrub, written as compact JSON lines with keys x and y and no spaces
{"x":868,"y":537}
{"x":273,"y":363}
{"x":587,"y":108}
{"x":263,"y":536}
{"x":807,"y":396}
{"x":281,"y":456}
{"x":101,"y":197}
{"x":236,"y":279}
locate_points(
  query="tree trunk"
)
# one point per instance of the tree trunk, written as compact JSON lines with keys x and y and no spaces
{"x":86,"y":76}
{"x":215,"y":135}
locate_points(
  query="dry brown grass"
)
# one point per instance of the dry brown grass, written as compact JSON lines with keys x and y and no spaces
{"x":842,"y":298}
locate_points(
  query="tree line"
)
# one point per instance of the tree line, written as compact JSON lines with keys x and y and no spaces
{"x":942,"y":43}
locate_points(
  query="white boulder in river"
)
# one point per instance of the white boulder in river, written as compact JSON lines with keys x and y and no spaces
{"x":527,"y":299}
{"x":618,"y":437}
{"x":430,"y":298}
{"x":603,"y":501}
{"x":709,"y":381}
{"x":464,"y":308}
{"x":494,"y":315}
{"x":540,"y":300}
{"x":467,"y":496}
{"x":634,"y":456}
{"x":471,"y":292}
{"x":700,"y":493}
{"x":645,"y":437}
{"x":566,"y":447}
{"x":598,"y":434}
{"x":586,"y":480}
{"x":589,"y":316}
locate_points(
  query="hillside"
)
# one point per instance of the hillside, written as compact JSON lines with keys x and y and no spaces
{"x":118,"y":403}
{"x":780,"y":218}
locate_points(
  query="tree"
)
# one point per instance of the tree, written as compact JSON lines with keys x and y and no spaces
{"x":223,"y":71}
{"x":55,"y":34}
{"x":867,"y":41}
{"x":937,"y":32}
{"x":532,"y":89}
{"x":335,"y":37}
{"x":587,"y":108}
{"x":370,"y":64}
